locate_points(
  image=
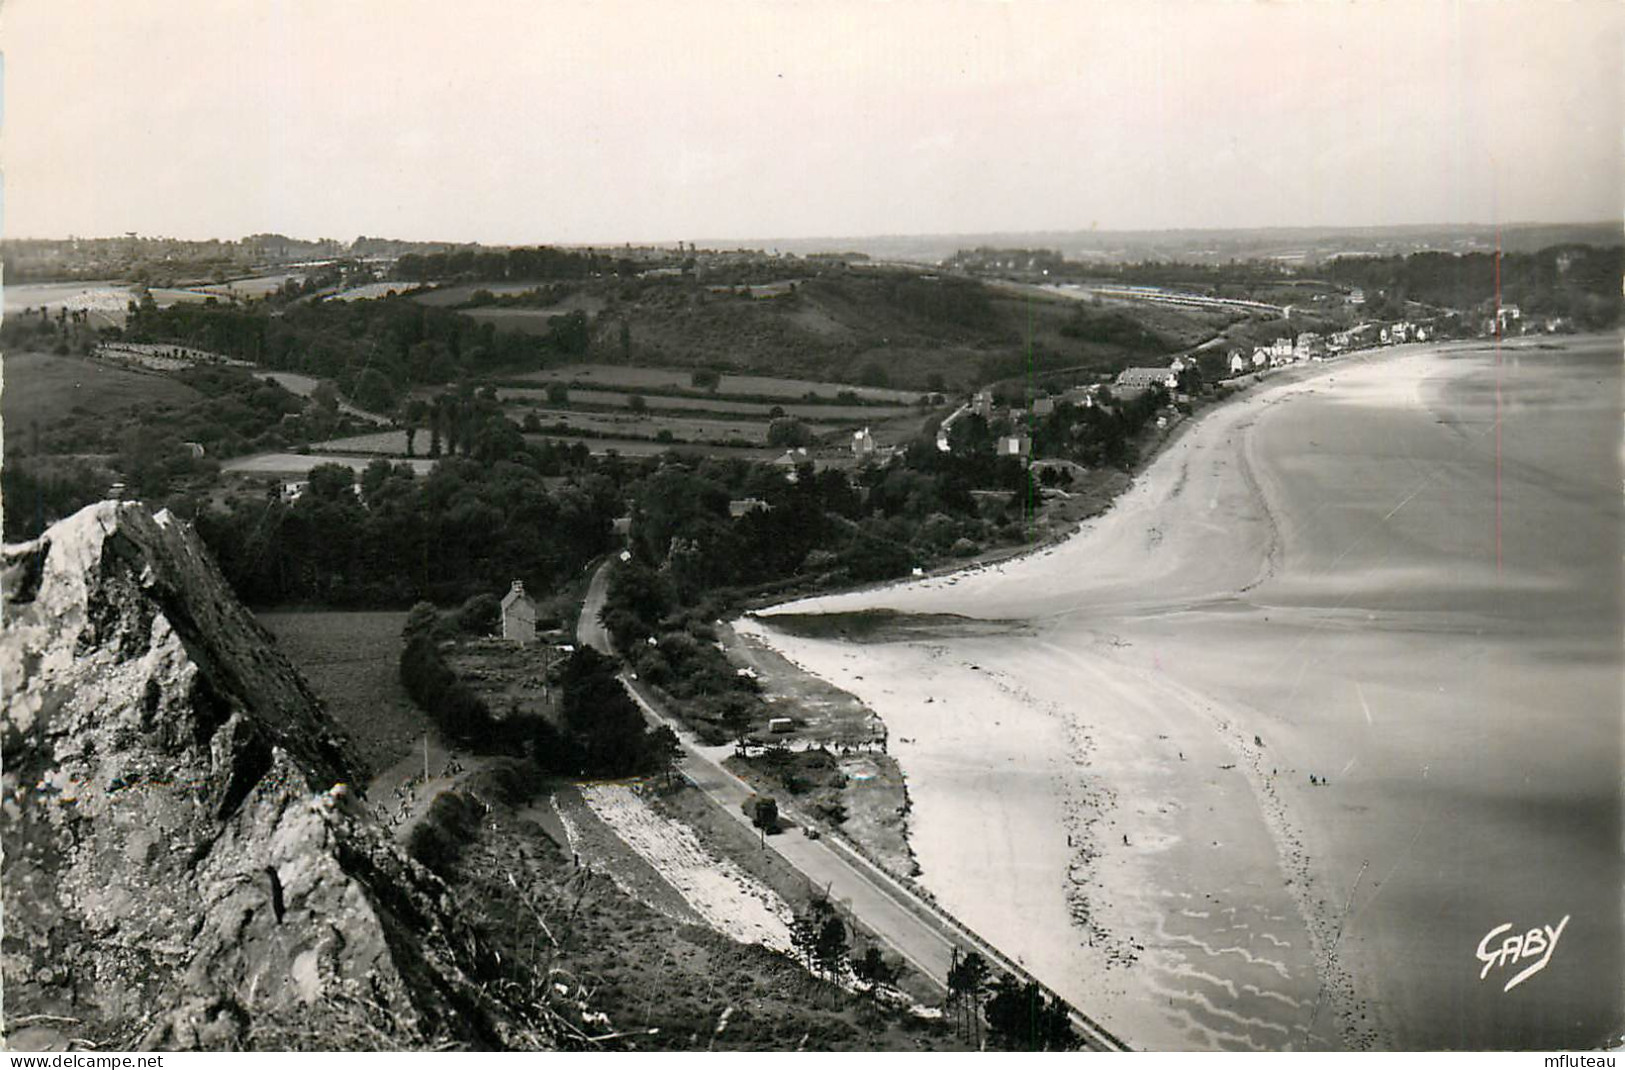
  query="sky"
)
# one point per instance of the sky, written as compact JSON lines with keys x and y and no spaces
{"x":660,"y":120}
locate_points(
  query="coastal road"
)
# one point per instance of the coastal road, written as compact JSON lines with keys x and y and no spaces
{"x":919,"y":931}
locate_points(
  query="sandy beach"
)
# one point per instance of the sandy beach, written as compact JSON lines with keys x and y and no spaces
{"x":1354,"y":573}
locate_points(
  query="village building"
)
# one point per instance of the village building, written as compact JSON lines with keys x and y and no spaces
{"x":1082,"y":396}
{"x":1043,"y":406}
{"x":863,"y":444}
{"x":1238,"y":362}
{"x":982,"y":404}
{"x":1144,"y":378}
{"x":518,"y":615}
{"x":1015,"y":446}
{"x":738,"y":507}
{"x":791,"y":460}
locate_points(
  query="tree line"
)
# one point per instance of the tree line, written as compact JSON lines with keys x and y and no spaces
{"x":515,"y":265}
{"x":1018,"y":1015}
{"x":371,"y":349}
{"x":1578,"y":281}
{"x":399,"y":538}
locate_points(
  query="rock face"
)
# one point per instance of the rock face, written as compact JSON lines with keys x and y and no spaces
{"x":185,"y":863}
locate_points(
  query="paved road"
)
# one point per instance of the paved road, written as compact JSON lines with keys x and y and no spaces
{"x":920,"y":932}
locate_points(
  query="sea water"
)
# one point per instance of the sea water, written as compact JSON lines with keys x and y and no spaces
{"x":1446,"y":651}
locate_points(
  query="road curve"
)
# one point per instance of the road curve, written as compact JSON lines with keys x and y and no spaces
{"x":919,"y":931}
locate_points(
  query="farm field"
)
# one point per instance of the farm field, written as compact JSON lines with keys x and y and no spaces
{"x":843,"y":415}
{"x":592,"y":428}
{"x":683,"y":429}
{"x":392,"y":444}
{"x":632,"y":447}
{"x":636,"y":378}
{"x":456,"y":295}
{"x":515,"y":318}
{"x":45,"y":388}
{"x":162,"y":357}
{"x":371,"y":290}
{"x":106,"y":302}
{"x":299,"y":464}
{"x":257,"y":286}
{"x":305,"y":386}
{"x":352,"y":660}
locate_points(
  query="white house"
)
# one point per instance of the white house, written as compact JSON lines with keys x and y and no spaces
{"x":518,"y":615}
{"x":1238,"y":363}
{"x":863,"y":443}
{"x":1015,"y":446}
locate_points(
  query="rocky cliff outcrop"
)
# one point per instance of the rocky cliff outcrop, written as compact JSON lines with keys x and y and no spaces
{"x":186,"y":863}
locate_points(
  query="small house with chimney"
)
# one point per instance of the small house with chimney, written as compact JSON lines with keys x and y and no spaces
{"x":518,"y":615}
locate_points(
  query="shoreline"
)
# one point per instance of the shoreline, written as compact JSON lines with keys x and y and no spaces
{"x":1273,"y":379}
{"x":1276,"y":380}
{"x":1272,"y":805}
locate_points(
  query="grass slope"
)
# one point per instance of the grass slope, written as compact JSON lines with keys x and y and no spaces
{"x":46,"y":388}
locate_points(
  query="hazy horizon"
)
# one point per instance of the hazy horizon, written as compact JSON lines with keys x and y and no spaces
{"x":704,"y":242}
{"x":729,"y":122}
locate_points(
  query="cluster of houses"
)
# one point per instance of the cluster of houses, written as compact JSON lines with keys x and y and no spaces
{"x":1312,"y":346}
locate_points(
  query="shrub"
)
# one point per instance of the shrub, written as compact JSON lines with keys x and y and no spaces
{"x":455,"y":709}
{"x":451,"y":822}
{"x":479,"y":615}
